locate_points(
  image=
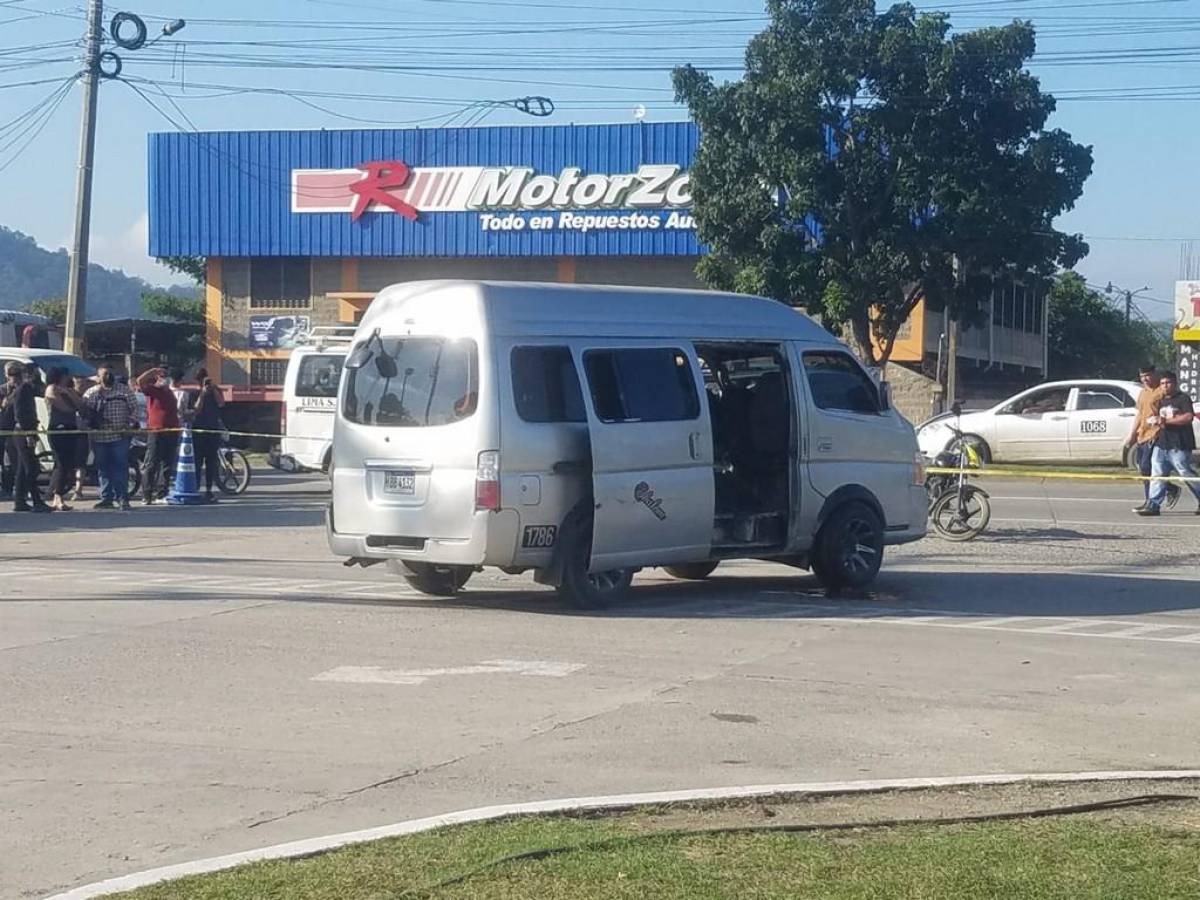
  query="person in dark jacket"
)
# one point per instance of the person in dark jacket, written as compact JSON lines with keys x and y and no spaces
{"x":206,"y":421}
{"x":18,"y":412}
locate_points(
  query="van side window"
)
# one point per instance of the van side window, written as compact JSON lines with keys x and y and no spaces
{"x":650,"y":385}
{"x":838,"y":382}
{"x":546,"y":385}
{"x":319,"y":376}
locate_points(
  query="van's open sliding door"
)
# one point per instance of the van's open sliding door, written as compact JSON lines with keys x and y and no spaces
{"x":652,"y":456}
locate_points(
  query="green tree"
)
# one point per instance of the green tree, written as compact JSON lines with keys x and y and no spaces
{"x":1089,"y":338}
{"x":867,"y":160}
{"x":51,"y":309}
{"x":187,"y":344}
{"x":194,"y":267}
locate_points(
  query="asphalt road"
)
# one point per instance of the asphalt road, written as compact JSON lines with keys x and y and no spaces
{"x":178,"y":683}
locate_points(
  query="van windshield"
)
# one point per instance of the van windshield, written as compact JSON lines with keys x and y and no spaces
{"x":412,"y":382}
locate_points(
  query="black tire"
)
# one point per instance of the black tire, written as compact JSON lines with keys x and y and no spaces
{"x":233,"y":472}
{"x":696,"y":571}
{"x":965,"y":523}
{"x":849,"y":548}
{"x":436,"y":581}
{"x":579,"y":588}
{"x":985,"y":452}
{"x":1129,"y":458}
{"x":45,"y":461}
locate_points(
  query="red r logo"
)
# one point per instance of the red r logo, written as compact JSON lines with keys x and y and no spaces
{"x":382,"y":177}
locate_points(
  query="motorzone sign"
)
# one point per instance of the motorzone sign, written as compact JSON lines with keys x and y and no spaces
{"x":394,"y":186}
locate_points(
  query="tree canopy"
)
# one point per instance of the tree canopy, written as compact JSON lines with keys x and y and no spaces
{"x":867,"y":160}
{"x":1089,"y":338}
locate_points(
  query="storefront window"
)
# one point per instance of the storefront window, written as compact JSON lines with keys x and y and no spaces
{"x":283,"y":282}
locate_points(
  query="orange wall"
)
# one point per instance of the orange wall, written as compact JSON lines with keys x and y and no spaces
{"x":910,"y":343}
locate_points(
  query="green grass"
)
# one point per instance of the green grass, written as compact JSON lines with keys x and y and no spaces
{"x":1031,"y":860}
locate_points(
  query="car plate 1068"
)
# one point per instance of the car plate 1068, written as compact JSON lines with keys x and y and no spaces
{"x":399,"y":482}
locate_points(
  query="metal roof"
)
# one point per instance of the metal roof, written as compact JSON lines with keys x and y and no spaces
{"x":231,"y":193}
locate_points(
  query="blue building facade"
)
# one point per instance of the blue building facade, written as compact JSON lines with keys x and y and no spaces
{"x":301,"y":228}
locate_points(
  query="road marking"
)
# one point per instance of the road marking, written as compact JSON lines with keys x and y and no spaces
{"x":378,"y":675}
{"x":1166,"y":520}
{"x":1138,"y":630}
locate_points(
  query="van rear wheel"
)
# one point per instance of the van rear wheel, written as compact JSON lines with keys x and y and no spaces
{"x":436,"y":581}
{"x":696,"y":571}
{"x":581,"y":589}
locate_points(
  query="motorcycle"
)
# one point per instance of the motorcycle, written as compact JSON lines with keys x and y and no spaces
{"x":958,"y":510}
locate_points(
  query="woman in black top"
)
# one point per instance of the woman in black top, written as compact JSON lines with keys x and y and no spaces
{"x":206,"y":421}
{"x":65,"y":405}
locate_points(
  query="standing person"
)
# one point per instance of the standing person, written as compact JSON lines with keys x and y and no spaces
{"x":207,"y":440}
{"x":65,"y":405}
{"x":1174,"y":446}
{"x":1144,"y":434}
{"x":18,"y":412}
{"x":183,"y":397}
{"x":83,"y":446}
{"x":162,"y":438}
{"x":114,"y":412}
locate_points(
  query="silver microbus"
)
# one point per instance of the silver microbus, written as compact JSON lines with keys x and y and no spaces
{"x":586,"y":432}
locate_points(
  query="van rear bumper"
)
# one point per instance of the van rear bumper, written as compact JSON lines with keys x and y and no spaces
{"x":491,"y":541}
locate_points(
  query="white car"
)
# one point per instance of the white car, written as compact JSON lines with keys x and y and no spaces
{"x":1063,"y":422}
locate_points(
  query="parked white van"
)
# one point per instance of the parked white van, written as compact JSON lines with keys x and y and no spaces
{"x":41,"y":362}
{"x":310,"y":388}
{"x":586,"y":432}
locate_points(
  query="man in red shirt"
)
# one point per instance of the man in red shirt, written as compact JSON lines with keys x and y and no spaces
{"x":162,"y":446}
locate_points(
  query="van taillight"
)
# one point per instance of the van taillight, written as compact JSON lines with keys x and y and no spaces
{"x":487,"y":480}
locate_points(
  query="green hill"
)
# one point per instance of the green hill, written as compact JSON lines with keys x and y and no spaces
{"x":29,"y":272}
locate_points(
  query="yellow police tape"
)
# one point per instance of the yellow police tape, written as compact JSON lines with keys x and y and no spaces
{"x":989,"y":472}
{"x":1077,"y":476}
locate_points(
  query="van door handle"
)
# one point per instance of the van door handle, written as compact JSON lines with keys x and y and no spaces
{"x":694,"y":444}
{"x":569,"y":467}
{"x":1058,"y":418}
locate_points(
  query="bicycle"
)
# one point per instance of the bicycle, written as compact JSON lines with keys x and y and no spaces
{"x":959,"y":511}
{"x":233,"y":469}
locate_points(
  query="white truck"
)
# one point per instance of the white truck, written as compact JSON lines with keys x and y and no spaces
{"x":310,"y":390}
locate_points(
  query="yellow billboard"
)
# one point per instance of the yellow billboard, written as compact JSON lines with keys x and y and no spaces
{"x":1187,"y":310}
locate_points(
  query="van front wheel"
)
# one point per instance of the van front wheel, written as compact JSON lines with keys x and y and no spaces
{"x":849,"y":548}
{"x":437,"y":581}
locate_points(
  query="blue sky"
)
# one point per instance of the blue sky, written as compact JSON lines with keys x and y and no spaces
{"x":1111,"y":62}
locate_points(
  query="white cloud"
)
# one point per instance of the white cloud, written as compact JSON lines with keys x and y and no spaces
{"x":126,"y":250}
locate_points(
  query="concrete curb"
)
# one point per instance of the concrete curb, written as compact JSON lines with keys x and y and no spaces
{"x":312,"y":846}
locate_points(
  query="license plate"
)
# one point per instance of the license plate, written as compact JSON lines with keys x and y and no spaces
{"x":399,"y":482}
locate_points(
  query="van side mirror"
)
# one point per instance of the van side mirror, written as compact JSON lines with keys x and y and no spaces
{"x":386,"y":366}
{"x":885,"y":396}
{"x":956,"y":408}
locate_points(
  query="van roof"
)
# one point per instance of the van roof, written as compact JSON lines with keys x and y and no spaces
{"x":514,"y":308}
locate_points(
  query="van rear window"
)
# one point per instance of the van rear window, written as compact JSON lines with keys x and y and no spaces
{"x":319,"y":375}
{"x":412,"y":382}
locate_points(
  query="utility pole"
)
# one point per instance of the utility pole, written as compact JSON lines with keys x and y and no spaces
{"x":77,"y":279}
{"x":1128,"y":306}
